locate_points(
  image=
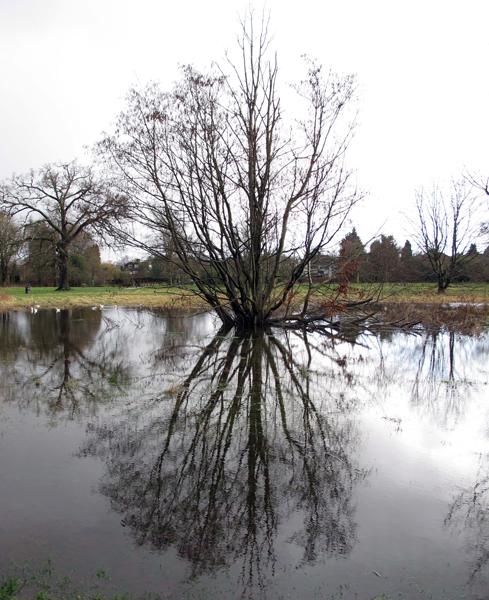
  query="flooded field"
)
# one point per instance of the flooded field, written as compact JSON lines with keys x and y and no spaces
{"x":190,"y":462}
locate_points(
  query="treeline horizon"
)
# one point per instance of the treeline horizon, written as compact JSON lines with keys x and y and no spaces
{"x":382,"y":260}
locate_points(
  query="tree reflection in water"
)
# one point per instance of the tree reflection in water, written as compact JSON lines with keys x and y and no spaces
{"x":443,"y":372}
{"x":222,"y":459}
{"x":51,"y":368}
{"x":241,"y":454}
{"x":469,"y":512}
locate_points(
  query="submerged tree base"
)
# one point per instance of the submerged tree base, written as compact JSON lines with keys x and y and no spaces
{"x":465,"y":309}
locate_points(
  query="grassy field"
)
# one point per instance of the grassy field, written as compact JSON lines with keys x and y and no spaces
{"x":15,"y":298}
{"x":427,"y":293}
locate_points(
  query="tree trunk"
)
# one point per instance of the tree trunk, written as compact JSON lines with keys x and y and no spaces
{"x":64,"y":285}
{"x":4,"y":272}
{"x":443,"y":284}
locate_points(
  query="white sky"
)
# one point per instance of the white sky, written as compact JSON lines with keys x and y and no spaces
{"x":66,"y":65}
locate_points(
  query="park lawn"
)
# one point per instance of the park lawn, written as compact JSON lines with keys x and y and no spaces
{"x":427,"y":293}
{"x":15,"y":298}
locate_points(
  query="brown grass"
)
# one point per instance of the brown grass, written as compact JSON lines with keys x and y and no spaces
{"x":464,"y":318}
{"x":6,"y":300}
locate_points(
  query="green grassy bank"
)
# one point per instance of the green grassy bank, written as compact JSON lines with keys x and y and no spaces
{"x":15,"y":298}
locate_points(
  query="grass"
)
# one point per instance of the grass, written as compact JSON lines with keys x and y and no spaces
{"x":462,"y":318}
{"x":408,"y":301}
{"x":15,"y":298}
{"x":10,"y":587}
{"x":419,"y":293}
{"x":427,"y":293}
{"x":43,"y":582}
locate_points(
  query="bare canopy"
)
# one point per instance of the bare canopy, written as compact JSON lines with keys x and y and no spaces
{"x":445,"y":228}
{"x":246,"y":197}
{"x":59,"y":202}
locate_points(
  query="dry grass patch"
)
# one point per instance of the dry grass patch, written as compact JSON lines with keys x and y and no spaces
{"x":6,"y":300}
{"x":469,"y":319}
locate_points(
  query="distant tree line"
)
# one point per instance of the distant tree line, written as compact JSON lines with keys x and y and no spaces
{"x":384,"y":261}
{"x":32,"y":259}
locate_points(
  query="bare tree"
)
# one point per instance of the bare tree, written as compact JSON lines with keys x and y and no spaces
{"x":11,"y":241}
{"x":59,"y":202}
{"x":247,"y":198}
{"x":445,"y":228}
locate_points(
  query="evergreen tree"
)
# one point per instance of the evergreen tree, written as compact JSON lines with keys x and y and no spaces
{"x":383,"y":260}
{"x":352,"y":256}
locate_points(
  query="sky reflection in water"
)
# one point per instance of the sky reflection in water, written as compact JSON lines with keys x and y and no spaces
{"x":186,"y":460}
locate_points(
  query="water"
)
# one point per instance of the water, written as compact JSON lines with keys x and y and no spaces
{"x":188,"y":462}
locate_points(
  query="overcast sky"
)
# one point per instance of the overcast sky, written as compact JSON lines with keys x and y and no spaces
{"x":422,"y":66}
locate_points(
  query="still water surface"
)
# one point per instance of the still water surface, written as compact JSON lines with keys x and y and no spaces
{"x":194,"y":463}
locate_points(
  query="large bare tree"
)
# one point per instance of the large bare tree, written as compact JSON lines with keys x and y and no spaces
{"x":445,"y":228}
{"x":59,"y":202}
{"x":247,"y":197}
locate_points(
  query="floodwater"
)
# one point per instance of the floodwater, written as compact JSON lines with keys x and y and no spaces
{"x":192,"y":463}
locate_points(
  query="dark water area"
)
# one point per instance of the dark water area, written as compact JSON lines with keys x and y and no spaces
{"x":195,"y":463}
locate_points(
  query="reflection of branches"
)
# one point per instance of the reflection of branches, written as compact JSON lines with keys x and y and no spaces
{"x":54,"y":368}
{"x":239,"y":447}
{"x":11,"y":339}
{"x":469,"y":512}
{"x":329,"y":526}
{"x":435,"y":373}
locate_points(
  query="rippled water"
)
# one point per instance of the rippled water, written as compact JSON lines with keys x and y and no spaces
{"x":194,"y":463}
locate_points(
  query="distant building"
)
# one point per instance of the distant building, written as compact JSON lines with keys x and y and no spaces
{"x":323,"y":266}
{"x":136,"y":266}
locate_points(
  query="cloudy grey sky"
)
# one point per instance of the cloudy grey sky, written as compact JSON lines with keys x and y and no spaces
{"x":422,"y":66}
